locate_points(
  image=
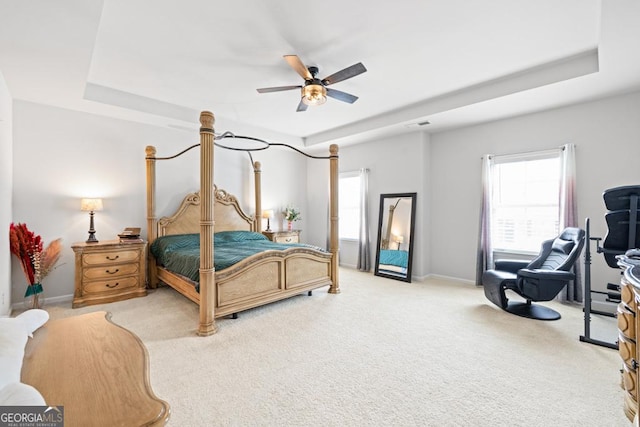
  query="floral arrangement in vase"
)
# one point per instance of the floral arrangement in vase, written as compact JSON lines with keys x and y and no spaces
{"x":291,"y":214}
{"x":36,"y":260}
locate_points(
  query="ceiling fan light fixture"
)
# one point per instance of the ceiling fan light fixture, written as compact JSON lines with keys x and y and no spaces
{"x":314,"y":94}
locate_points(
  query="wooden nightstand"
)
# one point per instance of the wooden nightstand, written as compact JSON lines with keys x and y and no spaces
{"x":109,"y":271}
{"x":292,"y":236}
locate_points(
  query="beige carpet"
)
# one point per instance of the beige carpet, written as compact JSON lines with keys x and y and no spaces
{"x":381,"y":353}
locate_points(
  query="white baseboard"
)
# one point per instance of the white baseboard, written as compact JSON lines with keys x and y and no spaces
{"x":50,"y":300}
{"x":453,"y":279}
{"x":353,"y":267}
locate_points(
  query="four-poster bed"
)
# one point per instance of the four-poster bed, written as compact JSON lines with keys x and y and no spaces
{"x":256,"y":280}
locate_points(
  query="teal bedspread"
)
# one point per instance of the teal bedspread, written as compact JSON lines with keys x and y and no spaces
{"x":391,"y":257}
{"x":180,"y":253}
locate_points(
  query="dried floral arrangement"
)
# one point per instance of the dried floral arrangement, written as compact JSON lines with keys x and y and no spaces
{"x":36,"y":261}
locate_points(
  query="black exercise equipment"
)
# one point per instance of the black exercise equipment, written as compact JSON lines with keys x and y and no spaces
{"x":623,"y":233}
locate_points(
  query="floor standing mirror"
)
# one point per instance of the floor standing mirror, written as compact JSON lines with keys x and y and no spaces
{"x":395,"y":236}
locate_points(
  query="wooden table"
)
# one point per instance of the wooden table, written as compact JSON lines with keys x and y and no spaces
{"x":96,"y":369}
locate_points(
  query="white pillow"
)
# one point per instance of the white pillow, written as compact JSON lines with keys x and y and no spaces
{"x":20,"y":394}
{"x":33,"y":319}
{"x":14,"y":333}
{"x":13,"y":338}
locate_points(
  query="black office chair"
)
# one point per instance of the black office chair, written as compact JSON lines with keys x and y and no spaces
{"x":538,"y":280}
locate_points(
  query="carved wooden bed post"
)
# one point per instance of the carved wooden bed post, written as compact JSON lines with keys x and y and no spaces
{"x":207,"y":277}
{"x":152,"y":220}
{"x":257,"y":172}
{"x":387,"y":234}
{"x":333,"y":212}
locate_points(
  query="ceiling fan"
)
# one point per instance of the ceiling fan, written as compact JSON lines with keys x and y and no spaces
{"x":315,"y":91}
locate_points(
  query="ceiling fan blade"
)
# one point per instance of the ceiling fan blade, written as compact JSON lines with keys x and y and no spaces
{"x":341,"y":96}
{"x":301,"y":107}
{"x":345,"y":74}
{"x":277,"y":89}
{"x":299,"y":66}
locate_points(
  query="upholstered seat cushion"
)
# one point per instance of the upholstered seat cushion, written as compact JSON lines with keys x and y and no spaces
{"x":497,"y":277}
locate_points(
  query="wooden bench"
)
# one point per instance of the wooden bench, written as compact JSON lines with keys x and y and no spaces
{"x":97,"y":370}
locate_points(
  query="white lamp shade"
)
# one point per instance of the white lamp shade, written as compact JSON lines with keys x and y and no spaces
{"x":91,"y":205}
{"x":267,"y":213}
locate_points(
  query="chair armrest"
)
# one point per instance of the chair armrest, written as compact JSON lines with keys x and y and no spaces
{"x":510,"y":265}
{"x":558,"y":275}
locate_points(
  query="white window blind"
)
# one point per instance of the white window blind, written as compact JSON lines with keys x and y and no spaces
{"x":349,"y":205}
{"x":525,"y":201}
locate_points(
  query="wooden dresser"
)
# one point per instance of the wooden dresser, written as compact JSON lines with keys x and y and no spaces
{"x":109,"y":271}
{"x":292,"y":236}
{"x":628,"y":318}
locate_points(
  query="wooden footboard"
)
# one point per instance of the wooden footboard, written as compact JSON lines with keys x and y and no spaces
{"x":271,"y":276}
{"x":260,"y":279}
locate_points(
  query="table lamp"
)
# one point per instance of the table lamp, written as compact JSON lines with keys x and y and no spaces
{"x":267,"y":214}
{"x":91,"y":205}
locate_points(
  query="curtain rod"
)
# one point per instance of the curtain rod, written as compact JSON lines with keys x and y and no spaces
{"x":524,"y":153}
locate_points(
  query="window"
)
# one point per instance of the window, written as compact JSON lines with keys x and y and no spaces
{"x":525,"y":201}
{"x":349,"y":205}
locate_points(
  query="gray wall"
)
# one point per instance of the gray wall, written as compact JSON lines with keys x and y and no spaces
{"x":60,"y":156}
{"x":6,"y":169}
{"x":396,"y":165}
{"x":607,"y":138}
{"x":80,"y":155}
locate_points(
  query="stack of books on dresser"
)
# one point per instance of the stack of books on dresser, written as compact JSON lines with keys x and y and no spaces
{"x":130,"y":235}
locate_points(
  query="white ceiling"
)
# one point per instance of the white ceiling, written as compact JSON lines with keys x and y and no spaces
{"x":449,"y":62}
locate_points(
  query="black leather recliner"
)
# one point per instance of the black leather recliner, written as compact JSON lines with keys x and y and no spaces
{"x":538,"y":280}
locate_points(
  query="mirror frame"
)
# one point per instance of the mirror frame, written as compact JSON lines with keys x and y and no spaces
{"x":381,"y":218}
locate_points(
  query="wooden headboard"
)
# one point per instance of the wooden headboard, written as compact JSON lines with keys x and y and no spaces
{"x":228,"y":215}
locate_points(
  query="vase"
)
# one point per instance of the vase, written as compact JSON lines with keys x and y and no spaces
{"x":290,"y":225}
{"x":34,"y":296}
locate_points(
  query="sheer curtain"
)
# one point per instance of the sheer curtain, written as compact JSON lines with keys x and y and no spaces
{"x":568,"y":218}
{"x":364,"y":256}
{"x":485,"y":251}
{"x":569,"y":215}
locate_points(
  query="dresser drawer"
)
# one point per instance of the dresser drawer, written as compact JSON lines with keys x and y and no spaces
{"x":111,"y":257}
{"x":626,"y":349}
{"x":110,"y":271}
{"x":626,"y":322}
{"x":627,"y":295}
{"x":630,"y":405}
{"x":283,"y":236}
{"x":293,"y":238}
{"x":113,"y":285}
{"x":630,"y":381}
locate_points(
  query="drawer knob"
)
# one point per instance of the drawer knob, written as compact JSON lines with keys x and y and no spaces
{"x":109,"y":285}
{"x":112,"y":272}
{"x":288,"y":239}
{"x":110,"y":258}
{"x":634,"y":364}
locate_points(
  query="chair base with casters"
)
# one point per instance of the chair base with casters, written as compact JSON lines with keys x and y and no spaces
{"x":497,"y":282}
{"x":539,"y":280}
{"x":532,"y":311}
